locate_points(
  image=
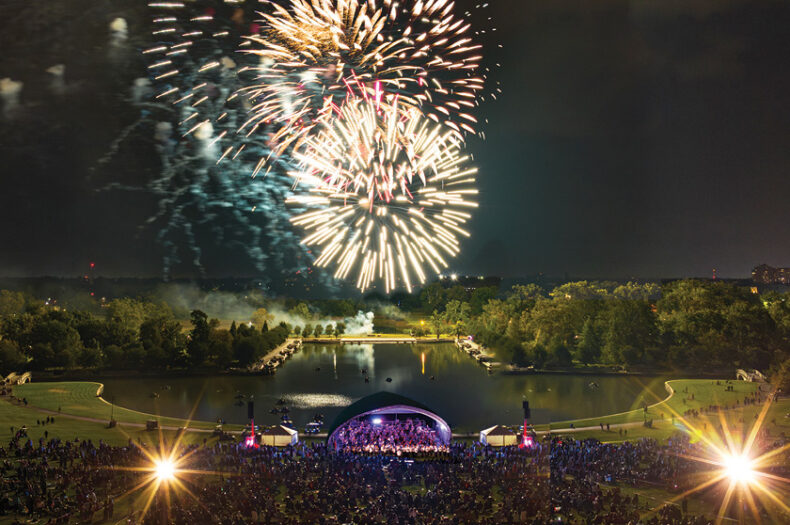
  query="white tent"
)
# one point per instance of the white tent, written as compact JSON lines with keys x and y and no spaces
{"x":279,"y":436}
{"x":498,"y":436}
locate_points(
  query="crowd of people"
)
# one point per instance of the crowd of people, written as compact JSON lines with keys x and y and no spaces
{"x":594,"y":482}
{"x":559,"y":480}
{"x":78,"y":481}
{"x":377,"y":436}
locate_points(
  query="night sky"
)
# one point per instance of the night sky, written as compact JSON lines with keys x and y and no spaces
{"x":632,"y":139}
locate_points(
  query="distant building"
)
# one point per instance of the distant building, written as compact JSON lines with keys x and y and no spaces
{"x":765,"y":274}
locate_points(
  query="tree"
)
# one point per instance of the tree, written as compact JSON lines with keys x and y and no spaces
{"x":198,"y":346}
{"x":580,"y":291}
{"x":329,"y":329}
{"x":511,"y":351}
{"x":248,"y":349}
{"x":11,"y":358}
{"x":550,"y":320}
{"x":297,"y":330}
{"x":163,"y":341}
{"x":631,"y":329}
{"x":301,"y":310}
{"x":220,"y":348}
{"x":307,"y":331}
{"x":340,"y":329}
{"x":432,"y":296}
{"x":55,"y":344}
{"x":457,"y":312}
{"x":779,"y":375}
{"x":716,"y":323}
{"x":130,"y":313}
{"x":90,"y":357}
{"x":537,"y":354}
{"x":588,"y":348}
{"x":265,"y":327}
{"x":456,"y":293}
{"x":637,"y":292}
{"x":436,"y":321}
{"x":480,"y":297}
{"x":522,"y":297}
{"x":11,"y":303}
{"x":318,"y":330}
{"x":261,"y":317}
{"x":559,"y":355}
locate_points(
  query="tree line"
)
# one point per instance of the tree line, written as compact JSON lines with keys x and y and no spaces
{"x":132,"y":334}
{"x":683,"y":324}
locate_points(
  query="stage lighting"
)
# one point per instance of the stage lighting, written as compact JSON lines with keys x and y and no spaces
{"x":376,"y":420}
{"x":165,"y":470}
{"x":739,"y":468}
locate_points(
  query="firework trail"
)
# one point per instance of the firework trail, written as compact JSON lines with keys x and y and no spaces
{"x":396,"y":81}
{"x":308,"y":53}
{"x":203,"y":200}
{"x":391,"y":191}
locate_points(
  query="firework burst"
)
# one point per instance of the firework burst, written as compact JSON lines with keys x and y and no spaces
{"x":392,"y":192}
{"x":419,"y":52}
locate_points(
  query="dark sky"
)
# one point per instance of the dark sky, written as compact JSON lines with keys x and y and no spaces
{"x":648,"y":138}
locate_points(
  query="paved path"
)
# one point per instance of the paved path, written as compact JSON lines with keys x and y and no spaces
{"x":276,"y":352}
{"x":373,"y":339}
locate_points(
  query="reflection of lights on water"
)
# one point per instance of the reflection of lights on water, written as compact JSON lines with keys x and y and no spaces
{"x":422,"y":358}
{"x":165,"y":470}
{"x":317,"y":400}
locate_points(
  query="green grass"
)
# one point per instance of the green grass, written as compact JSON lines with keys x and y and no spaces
{"x":80,"y":399}
{"x":705,"y":393}
{"x":66,"y":428}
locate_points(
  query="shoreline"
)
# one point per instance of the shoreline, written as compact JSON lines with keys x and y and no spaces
{"x":502,"y":368}
{"x":587,"y":425}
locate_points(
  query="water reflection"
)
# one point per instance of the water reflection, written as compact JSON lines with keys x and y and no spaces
{"x":325,"y":378}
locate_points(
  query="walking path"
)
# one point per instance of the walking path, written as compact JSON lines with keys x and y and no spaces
{"x":374,"y":339}
{"x":263,"y":361}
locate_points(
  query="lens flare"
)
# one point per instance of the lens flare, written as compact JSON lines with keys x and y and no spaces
{"x":739,"y":468}
{"x":392,"y":192}
{"x":165,"y":470}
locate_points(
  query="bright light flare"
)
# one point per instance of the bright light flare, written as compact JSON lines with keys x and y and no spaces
{"x":739,"y":468}
{"x":165,"y":470}
{"x":743,"y":464}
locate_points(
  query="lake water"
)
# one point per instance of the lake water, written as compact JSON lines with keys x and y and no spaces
{"x":437,"y":375}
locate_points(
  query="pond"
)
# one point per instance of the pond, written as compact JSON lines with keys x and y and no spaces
{"x":325,"y":378}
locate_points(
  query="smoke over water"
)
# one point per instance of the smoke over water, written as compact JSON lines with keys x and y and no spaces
{"x":240,"y":307}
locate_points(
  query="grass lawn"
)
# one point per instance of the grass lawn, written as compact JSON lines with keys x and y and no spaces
{"x":80,"y":399}
{"x":705,"y":392}
{"x":65,"y":428}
